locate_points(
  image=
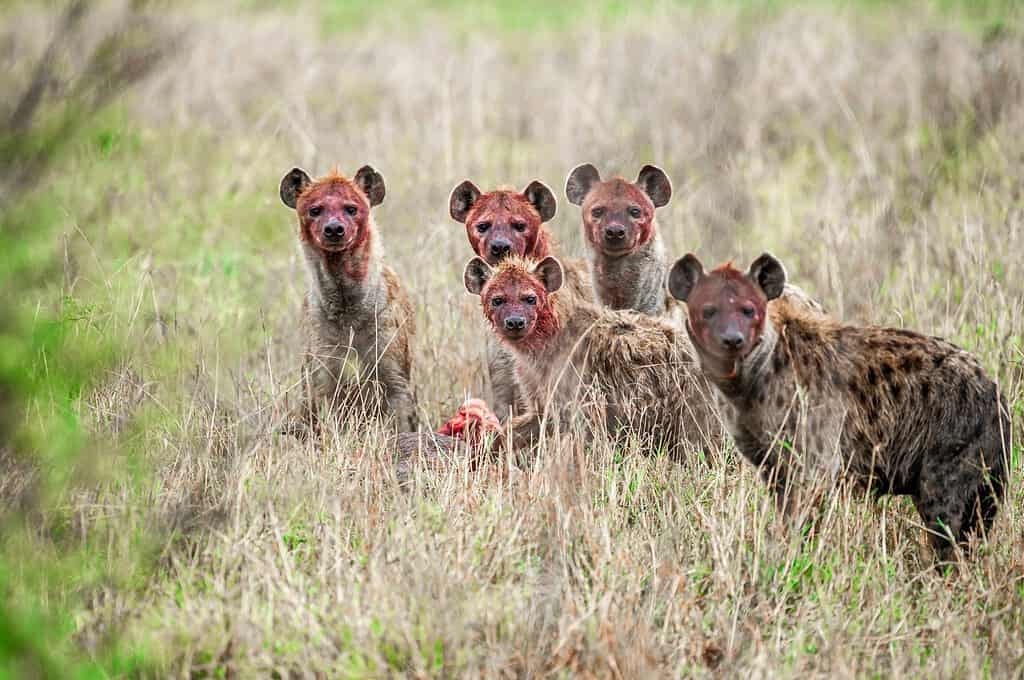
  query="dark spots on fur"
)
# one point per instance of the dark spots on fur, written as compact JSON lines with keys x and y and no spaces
{"x":837,"y":379}
{"x":926,"y":391}
{"x":963,"y":393}
{"x":887,"y":372}
{"x":623,"y":328}
{"x":897,"y":391}
{"x":872,"y":376}
{"x":780,"y":401}
{"x":938,"y":360}
{"x":779,"y":361}
{"x":910,"y":363}
{"x":858,"y":393}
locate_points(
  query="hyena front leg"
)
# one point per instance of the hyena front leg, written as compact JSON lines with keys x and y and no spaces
{"x":398,"y":394}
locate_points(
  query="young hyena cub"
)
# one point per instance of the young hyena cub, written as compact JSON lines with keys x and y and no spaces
{"x":576,"y":361}
{"x":501,"y":223}
{"x":358,"y":320}
{"x":809,"y":400}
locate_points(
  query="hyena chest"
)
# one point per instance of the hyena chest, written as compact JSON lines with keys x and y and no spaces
{"x":794,"y":421}
{"x":351,"y":347}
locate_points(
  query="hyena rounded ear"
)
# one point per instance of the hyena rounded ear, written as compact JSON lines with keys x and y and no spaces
{"x":476,"y":275}
{"x":768,"y":272}
{"x":653,"y":181}
{"x":685,"y":274}
{"x":541,"y":198}
{"x":371,"y":183}
{"x":549,"y":271}
{"x":580,"y":182}
{"x":462,"y":199}
{"x":292,"y":185}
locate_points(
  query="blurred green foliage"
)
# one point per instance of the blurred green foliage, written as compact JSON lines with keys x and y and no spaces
{"x":465,"y":16}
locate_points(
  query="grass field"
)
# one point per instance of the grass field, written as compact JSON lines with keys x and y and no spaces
{"x":155,"y":525}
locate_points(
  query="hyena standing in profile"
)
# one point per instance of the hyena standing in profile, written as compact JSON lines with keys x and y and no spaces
{"x":355,"y":311}
{"x":501,"y":223}
{"x":809,"y":400}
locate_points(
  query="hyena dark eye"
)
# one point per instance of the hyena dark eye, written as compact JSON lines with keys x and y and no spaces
{"x":635,"y":212}
{"x":748,"y":312}
{"x":519,"y":226}
{"x":482,"y":227}
{"x":709,"y":312}
{"x":315,"y":211}
{"x":497,"y":301}
{"x":530,"y":299}
{"x":351,"y":209}
{"x":597,"y":213}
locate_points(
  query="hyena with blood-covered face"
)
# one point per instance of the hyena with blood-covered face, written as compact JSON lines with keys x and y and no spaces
{"x":627,"y":256}
{"x":501,"y":223}
{"x":608,"y":370}
{"x":358,"y":320}
{"x":810,"y":401}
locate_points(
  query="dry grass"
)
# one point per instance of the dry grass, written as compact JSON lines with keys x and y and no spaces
{"x":879,"y":156}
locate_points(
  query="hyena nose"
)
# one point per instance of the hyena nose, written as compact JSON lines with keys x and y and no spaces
{"x":500,"y":248}
{"x":334,"y":230}
{"x":515,"y":323}
{"x":615,"y":232}
{"x":732,"y":340}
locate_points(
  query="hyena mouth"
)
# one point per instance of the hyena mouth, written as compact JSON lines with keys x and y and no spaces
{"x":514,"y":335}
{"x":616,"y":251}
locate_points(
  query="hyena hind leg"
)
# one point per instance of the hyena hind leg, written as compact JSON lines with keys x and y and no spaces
{"x":959,"y":498}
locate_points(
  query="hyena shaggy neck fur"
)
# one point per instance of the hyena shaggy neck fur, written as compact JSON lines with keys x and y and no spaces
{"x":635,"y":281}
{"x":810,"y":400}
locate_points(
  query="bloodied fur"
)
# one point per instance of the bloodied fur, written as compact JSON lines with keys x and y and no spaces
{"x":809,"y":400}
{"x":358,"y":319}
{"x":498,"y":224}
{"x":616,"y":371}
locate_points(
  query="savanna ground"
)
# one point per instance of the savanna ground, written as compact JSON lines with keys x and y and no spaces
{"x":153,"y":522}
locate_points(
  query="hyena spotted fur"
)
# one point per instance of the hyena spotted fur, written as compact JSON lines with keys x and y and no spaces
{"x":810,"y":401}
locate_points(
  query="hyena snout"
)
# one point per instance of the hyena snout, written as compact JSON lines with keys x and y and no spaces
{"x":500,"y":248}
{"x":334,"y":230}
{"x":731,"y":340}
{"x":515,"y":323}
{"x":615,"y":234}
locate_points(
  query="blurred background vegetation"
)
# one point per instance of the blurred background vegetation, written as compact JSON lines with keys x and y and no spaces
{"x":87,"y":303}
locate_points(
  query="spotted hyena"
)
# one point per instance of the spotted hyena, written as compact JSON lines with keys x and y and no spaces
{"x":501,"y":223}
{"x":627,"y":257}
{"x":810,"y":400}
{"x":358,"y":319}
